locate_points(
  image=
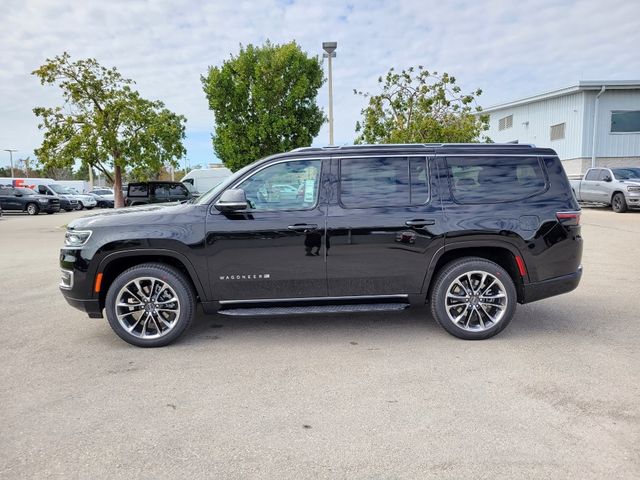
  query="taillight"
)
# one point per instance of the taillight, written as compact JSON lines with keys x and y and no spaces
{"x":569,"y":218}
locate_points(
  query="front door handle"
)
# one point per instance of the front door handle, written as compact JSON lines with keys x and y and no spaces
{"x":420,"y":222}
{"x":303,"y":227}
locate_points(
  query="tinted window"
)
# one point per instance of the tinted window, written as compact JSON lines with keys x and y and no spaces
{"x":161,"y":191}
{"x":603,"y":174}
{"x":625,"y":121}
{"x":284,"y":186}
{"x":6,"y":191}
{"x":383,"y":181}
{"x":138,"y":190}
{"x":495,"y":180}
{"x":592,"y":174}
{"x":178,"y":190}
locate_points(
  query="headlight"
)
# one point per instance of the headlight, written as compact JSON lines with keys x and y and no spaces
{"x":633,"y":189}
{"x":76,"y":238}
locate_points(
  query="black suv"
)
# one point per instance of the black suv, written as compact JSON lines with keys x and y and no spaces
{"x":26,"y":200}
{"x":142,"y":193}
{"x":471,"y":229}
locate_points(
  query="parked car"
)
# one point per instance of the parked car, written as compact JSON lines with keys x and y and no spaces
{"x":26,"y":200}
{"x":103,"y":200}
{"x":472,"y":230}
{"x":67,"y":201}
{"x":142,"y":193}
{"x":85,"y":200}
{"x":616,"y":187}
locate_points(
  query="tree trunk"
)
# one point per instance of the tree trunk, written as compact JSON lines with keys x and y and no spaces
{"x":117,"y":187}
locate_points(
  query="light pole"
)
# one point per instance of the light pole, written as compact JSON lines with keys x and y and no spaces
{"x":10,"y":158}
{"x":330,"y":49}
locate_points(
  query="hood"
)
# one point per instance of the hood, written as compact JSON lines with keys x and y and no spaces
{"x":632,"y":182}
{"x":157,"y":214}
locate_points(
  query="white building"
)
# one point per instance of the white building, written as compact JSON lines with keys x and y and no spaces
{"x":564,"y":120}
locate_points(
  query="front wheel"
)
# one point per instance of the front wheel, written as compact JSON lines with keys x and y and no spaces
{"x":33,"y":209}
{"x":619,"y":203}
{"x":80,"y":205}
{"x":473,"y":298}
{"x":150,"y":305}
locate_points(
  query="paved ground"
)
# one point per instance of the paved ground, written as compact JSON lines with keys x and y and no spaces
{"x":360,"y":396}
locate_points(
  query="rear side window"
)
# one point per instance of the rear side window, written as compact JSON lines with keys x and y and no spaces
{"x":138,"y":190}
{"x":383,"y":181}
{"x":495,"y":179}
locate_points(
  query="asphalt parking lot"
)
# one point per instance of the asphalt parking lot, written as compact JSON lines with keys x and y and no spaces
{"x":380,"y":395}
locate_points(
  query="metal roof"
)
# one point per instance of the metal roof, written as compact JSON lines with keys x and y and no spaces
{"x":583,"y":85}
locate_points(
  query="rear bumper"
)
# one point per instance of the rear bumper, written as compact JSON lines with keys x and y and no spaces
{"x":551,"y":287}
{"x":90,"y":307}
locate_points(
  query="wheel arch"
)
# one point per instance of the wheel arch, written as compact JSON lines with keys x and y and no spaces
{"x":114,"y":264}
{"x":502,"y":253}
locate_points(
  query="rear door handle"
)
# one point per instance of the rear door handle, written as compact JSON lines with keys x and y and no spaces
{"x":302,"y":227}
{"x":420,"y":222}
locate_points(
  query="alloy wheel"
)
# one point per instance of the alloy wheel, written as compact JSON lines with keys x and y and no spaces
{"x":147,"y":307}
{"x":476,"y":301}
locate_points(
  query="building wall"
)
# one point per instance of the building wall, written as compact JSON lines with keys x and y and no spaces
{"x":610,"y":144}
{"x":568,"y":109}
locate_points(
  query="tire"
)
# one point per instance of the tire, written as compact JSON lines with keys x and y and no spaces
{"x":619,"y":203}
{"x":178,"y":299}
{"x":475,"y":314}
{"x":32,"y":209}
{"x":80,"y":206}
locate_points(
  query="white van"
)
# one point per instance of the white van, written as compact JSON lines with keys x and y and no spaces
{"x":204,"y":179}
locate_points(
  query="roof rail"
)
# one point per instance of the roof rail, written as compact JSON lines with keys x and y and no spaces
{"x":412,"y":145}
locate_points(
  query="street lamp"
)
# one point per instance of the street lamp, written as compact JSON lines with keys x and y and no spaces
{"x":10,"y":158}
{"x":330,"y":49}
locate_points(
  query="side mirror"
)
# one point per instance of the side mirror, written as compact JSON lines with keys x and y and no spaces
{"x":18,"y":194}
{"x":232,"y":200}
{"x":607,"y":178}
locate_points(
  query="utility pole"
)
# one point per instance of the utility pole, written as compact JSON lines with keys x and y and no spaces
{"x":10,"y":158}
{"x":330,"y":49}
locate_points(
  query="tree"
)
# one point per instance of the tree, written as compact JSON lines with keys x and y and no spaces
{"x":104,"y":123}
{"x":264,"y":102}
{"x":418,"y":106}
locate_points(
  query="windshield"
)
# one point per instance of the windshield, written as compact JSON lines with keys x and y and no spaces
{"x":25,"y":191}
{"x":206,"y":197}
{"x":59,"y":189}
{"x":626,"y":173}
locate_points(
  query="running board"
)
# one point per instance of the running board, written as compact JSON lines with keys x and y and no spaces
{"x":306,"y":309}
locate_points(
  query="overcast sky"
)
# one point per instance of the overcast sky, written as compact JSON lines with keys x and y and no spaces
{"x":509,"y":49}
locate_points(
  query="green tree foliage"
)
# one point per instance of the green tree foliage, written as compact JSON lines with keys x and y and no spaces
{"x":105,"y":123}
{"x":264,"y":102}
{"x":418,"y":106}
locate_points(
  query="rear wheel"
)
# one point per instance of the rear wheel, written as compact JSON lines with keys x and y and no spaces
{"x":80,"y":205}
{"x":33,"y":209}
{"x":150,"y":305}
{"x":619,"y":203}
{"x":473,"y":298}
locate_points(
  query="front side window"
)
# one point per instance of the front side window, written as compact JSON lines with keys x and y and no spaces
{"x":178,"y":190}
{"x":383,"y":182}
{"x":625,"y":121}
{"x":477,"y":180}
{"x":290,"y":185}
{"x":604,"y":174}
{"x":592,"y":175}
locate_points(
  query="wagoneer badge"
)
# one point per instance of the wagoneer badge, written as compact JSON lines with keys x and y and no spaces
{"x":256,"y":276}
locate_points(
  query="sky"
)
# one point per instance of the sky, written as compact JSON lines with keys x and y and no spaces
{"x":509,"y":49}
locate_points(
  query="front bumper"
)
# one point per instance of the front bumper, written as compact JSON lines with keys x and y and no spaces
{"x":551,"y":287}
{"x":90,"y":307}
